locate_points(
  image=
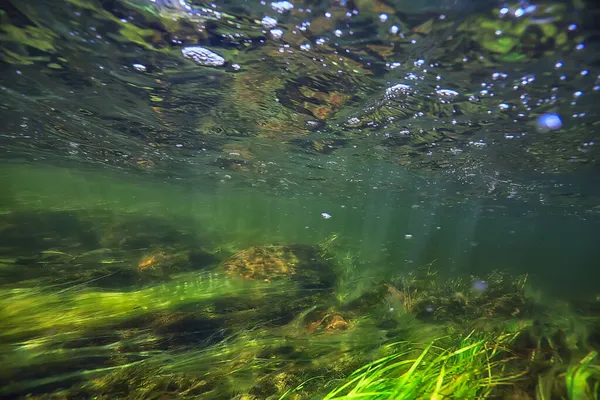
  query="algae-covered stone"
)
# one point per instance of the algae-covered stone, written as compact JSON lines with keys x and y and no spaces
{"x":300,"y":263}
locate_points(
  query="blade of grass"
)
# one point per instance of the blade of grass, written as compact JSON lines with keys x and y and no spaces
{"x":577,"y":377}
{"x":438,"y":384}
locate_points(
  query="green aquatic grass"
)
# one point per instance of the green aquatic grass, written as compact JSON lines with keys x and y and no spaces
{"x":583,"y":379}
{"x":49,"y":328}
{"x":472,"y":369}
{"x":579,"y":380}
{"x":27,"y":311}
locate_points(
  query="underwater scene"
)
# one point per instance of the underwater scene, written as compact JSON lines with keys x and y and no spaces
{"x":308,"y":199}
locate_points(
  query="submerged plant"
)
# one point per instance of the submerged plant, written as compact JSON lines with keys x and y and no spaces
{"x":578,"y":380}
{"x":472,"y":369}
{"x":583,"y":379}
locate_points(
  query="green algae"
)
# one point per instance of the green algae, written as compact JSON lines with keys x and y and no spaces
{"x":37,"y":37}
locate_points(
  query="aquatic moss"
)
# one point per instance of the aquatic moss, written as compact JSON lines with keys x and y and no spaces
{"x":501,"y":45}
{"x":131,"y":33}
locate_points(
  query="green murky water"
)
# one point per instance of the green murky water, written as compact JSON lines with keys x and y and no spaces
{"x":311,"y":200}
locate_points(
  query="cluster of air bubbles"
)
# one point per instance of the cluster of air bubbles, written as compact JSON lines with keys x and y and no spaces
{"x":396,"y":89}
{"x":276,"y":33}
{"x":203,"y":56}
{"x":269,"y":22}
{"x":282,"y":6}
{"x":304,"y":26}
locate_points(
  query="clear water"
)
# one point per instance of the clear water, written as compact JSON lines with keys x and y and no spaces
{"x":233,"y":231}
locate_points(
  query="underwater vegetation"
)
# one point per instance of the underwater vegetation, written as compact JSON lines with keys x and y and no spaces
{"x":112,"y":291}
{"x":272,"y":321}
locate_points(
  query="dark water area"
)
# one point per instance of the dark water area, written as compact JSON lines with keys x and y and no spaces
{"x":315,"y":199}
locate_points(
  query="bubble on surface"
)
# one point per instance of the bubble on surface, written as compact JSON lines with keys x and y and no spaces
{"x":447,"y":92}
{"x":203,"y":56}
{"x":480,"y":285}
{"x":139,"y":67}
{"x":548,"y":122}
{"x":276,"y":33}
{"x":282,"y":6}
{"x":269,"y":22}
{"x":397,"y":89}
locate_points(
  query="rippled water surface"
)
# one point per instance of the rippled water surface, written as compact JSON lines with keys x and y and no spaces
{"x":254,"y":199}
